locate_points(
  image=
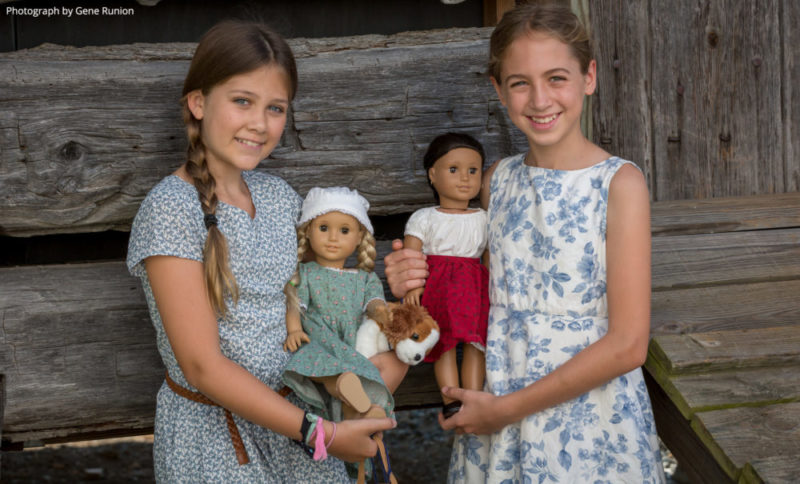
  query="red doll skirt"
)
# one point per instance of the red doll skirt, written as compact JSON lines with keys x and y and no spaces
{"x":457,"y":296}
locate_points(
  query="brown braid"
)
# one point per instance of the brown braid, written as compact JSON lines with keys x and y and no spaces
{"x":219,"y":278}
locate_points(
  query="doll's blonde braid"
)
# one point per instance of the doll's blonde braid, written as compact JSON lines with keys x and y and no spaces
{"x":366,"y":252}
{"x":290,"y":289}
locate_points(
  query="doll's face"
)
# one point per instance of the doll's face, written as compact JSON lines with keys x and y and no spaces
{"x":456,"y":176}
{"x":333,"y":237}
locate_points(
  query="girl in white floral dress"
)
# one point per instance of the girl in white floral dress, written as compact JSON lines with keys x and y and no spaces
{"x":569,"y":242}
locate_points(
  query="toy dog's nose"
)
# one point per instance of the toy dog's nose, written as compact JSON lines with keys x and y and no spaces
{"x":417,"y":357}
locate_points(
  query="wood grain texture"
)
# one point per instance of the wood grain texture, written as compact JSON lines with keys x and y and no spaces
{"x":736,"y":306}
{"x":724,"y":350}
{"x":744,"y":434}
{"x":703,"y":95}
{"x":725,"y":214}
{"x":366,"y":109}
{"x":726,"y":258}
{"x":771,"y":470}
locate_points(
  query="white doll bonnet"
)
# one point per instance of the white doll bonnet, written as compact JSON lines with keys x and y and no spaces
{"x":335,"y":199}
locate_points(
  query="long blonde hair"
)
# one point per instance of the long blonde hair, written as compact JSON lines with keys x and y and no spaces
{"x":227,"y":49}
{"x":365,"y":255}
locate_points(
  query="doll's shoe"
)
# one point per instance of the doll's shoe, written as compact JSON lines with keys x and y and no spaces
{"x":450,"y":409}
{"x":348,"y":385}
{"x":376,"y":411}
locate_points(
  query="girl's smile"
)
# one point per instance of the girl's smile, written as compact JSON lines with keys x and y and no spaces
{"x":542,"y":87}
{"x":242,"y":118}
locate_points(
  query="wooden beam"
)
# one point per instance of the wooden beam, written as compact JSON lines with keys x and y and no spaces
{"x":493,"y":11}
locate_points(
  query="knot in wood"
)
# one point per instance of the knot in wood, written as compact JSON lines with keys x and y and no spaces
{"x":72,"y":151}
{"x":713,"y":39}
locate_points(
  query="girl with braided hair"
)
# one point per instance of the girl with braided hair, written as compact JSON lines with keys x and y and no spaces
{"x":214,"y":245}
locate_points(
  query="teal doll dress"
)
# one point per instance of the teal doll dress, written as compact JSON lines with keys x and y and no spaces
{"x":333,"y":303}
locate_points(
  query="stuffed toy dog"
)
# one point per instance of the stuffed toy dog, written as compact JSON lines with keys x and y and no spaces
{"x":409,"y":331}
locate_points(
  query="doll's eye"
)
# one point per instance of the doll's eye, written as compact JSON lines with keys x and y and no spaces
{"x":415,"y":337}
{"x":473,"y":171}
{"x":323,"y":228}
{"x":453,"y":169}
{"x":345,"y":230}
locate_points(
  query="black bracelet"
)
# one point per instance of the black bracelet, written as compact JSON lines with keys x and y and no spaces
{"x":304,"y":427}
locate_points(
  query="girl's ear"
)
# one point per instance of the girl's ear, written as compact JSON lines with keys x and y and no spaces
{"x":590,"y":78}
{"x":195,"y":100}
{"x":499,"y":90}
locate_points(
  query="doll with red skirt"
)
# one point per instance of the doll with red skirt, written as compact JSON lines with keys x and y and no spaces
{"x":453,"y":237}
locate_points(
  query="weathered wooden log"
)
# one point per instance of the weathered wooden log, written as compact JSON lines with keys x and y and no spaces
{"x":85,"y":133}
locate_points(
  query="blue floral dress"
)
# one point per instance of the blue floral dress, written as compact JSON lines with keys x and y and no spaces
{"x":547,"y":233}
{"x":192,"y":443}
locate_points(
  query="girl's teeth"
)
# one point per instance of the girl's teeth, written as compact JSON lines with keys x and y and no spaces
{"x":544,"y":120}
{"x":249,"y":143}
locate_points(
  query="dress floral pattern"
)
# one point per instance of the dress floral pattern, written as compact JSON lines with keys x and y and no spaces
{"x":192,"y":443}
{"x":334,"y":301}
{"x":547,"y":233}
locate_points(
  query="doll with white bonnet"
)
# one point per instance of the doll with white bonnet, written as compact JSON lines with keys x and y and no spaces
{"x":326,"y":303}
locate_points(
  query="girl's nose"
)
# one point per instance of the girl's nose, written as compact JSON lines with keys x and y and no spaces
{"x":258,"y":122}
{"x":539,"y":97}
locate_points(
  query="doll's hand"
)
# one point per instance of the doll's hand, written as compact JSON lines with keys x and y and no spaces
{"x":353,"y":441}
{"x":481,"y":412}
{"x":295,"y":340}
{"x":413,"y":296}
{"x":381,"y":314}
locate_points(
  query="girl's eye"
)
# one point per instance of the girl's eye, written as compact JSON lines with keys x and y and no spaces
{"x":323,"y":228}
{"x":558,"y":78}
{"x":517,"y":84}
{"x":345,"y":230}
{"x":453,"y":169}
{"x":242,"y":101}
{"x":277,"y":109}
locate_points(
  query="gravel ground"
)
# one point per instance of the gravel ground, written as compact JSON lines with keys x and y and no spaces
{"x":418,"y":448}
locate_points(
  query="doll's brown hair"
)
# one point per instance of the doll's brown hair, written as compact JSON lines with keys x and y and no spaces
{"x":443,"y":144}
{"x":545,"y":16}
{"x":229,"y":48}
{"x":365,"y":254}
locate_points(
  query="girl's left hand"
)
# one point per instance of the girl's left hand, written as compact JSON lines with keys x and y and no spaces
{"x":481,"y":412}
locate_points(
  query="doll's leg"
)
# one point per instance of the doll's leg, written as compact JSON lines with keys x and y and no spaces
{"x":473,"y":368}
{"x":391,"y":368}
{"x":446,"y":371}
{"x":347,"y":388}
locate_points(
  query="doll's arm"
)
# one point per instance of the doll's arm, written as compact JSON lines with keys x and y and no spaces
{"x":295,"y":336}
{"x":413,"y":296}
{"x":378,"y":311}
{"x":622,"y":349}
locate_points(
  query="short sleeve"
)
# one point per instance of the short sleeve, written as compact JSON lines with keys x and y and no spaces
{"x":418,"y":224}
{"x":373,"y":289}
{"x":169,"y":222}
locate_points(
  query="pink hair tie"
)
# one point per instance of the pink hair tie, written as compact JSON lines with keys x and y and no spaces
{"x":333,"y":436}
{"x":320,"y":451}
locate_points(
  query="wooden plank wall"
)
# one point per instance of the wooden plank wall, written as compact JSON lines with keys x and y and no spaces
{"x":103,"y":126}
{"x":704,"y":95}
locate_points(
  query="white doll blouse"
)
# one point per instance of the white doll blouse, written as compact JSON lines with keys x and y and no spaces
{"x":453,"y":234}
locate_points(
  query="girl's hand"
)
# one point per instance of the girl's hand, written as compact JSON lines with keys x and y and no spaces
{"x":481,"y":412}
{"x":353,"y":441}
{"x":406,"y":269}
{"x":294,"y":340}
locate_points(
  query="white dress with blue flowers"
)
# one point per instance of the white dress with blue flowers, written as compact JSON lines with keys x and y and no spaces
{"x":548,"y":301}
